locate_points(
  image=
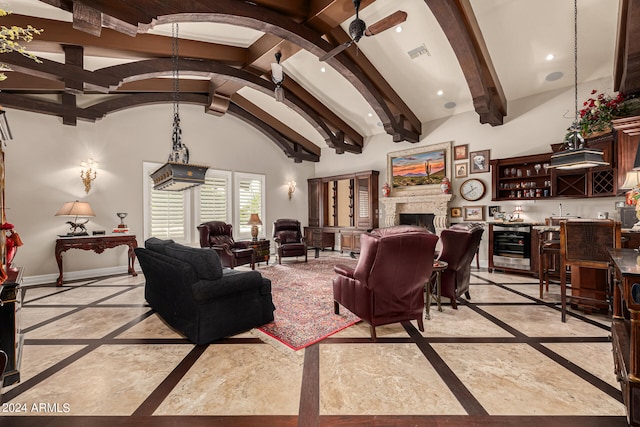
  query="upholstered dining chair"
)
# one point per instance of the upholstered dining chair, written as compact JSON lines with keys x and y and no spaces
{"x":218,"y":236}
{"x":459,"y":246}
{"x":289,"y":239}
{"x":584,"y":243}
{"x":387,"y":284}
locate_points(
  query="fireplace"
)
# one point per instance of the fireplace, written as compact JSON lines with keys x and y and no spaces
{"x":420,"y":219}
{"x":435,"y":203}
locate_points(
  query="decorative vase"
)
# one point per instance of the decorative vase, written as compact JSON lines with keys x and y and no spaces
{"x":386,"y":190}
{"x":445,"y":187}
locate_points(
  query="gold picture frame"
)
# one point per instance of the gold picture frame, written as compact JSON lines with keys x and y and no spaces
{"x":473,"y":213}
{"x":456,"y":213}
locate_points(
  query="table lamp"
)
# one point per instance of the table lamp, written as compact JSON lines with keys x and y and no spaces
{"x":632,"y":183}
{"x":76,"y":209}
{"x":254,"y":221}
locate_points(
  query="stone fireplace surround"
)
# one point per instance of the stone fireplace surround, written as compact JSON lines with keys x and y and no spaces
{"x":435,"y":203}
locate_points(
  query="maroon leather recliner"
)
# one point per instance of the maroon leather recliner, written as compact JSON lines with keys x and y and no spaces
{"x":387,"y":284}
{"x":289,"y":239}
{"x":218,"y":236}
{"x":459,"y":246}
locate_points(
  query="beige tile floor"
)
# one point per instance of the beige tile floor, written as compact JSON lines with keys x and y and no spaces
{"x":93,"y":348}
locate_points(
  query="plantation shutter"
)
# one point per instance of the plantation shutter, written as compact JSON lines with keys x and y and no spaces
{"x":249,"y":200}
{"x":168,"y":214}
{"x":214,"y":199}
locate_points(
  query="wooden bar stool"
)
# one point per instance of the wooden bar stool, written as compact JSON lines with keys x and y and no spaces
{"x":549,"y":260}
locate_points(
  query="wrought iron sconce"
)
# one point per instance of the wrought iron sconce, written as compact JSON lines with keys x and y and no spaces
{"x":88,"y":173}
{"x":292,"y":188}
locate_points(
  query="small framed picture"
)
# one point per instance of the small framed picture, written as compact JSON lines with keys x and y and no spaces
{"x":492,"y":210}
{"x":473,"y":213}
{"x":479,"y":161}
{"x":461,"y":152}
{"x":456,"y":212}
{"x":462,"y":169}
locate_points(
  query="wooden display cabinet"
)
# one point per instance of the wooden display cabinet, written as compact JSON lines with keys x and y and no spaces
{"x":342,"y":204}
{"x":521,"y":178}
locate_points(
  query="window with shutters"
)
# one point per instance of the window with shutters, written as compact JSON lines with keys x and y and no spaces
{"x":165,"y":211}
{"x":250,"y":199}
{"x":215,"y":197}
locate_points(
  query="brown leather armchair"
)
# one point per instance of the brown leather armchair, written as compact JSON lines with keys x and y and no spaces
{"x":218,"y":236}
{"x":289,"y":239}
{"x":459,"y":246}
{"x":387,"y":284}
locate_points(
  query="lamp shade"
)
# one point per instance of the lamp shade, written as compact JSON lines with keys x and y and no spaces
{"x":632,"y":180}
{"x":254,"y":219}
{"x":76,"y":209}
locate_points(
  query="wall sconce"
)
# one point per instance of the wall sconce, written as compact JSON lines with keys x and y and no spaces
{"x":292,"y":188}
{"x":88,"y":173}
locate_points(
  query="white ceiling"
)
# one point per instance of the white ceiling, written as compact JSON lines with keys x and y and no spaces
{"x":518,"y":33}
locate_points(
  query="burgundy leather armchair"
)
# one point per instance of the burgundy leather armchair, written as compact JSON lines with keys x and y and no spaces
{"x":459,"y":246}
{"x":218,"y":236}
{"x":289,"y":239}
{"x":387,"y":284}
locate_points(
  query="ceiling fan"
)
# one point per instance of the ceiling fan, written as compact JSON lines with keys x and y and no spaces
{"x":358,"y":28}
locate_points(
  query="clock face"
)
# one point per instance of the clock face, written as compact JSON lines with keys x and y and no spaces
{"x":472,"y":189}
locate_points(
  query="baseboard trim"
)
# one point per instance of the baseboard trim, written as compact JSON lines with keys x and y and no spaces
{"x":44,"y":279}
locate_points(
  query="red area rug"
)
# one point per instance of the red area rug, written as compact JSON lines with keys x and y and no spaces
{"x":303,"y":296}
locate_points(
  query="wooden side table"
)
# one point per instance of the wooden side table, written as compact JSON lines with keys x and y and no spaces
{"x":262,"y":250}
{"x":438,"y":268}
{"x":97,"y":244}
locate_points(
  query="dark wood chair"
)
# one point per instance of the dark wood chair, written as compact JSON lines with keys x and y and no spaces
{"x":549,"y":254}
{"x":584,"y":243}
{"x":3,"y":365}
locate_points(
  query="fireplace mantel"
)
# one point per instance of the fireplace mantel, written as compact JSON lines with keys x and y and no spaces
{"x":437,"y":204}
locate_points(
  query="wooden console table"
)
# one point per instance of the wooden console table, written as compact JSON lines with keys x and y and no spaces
{"x":625,"y":328}
{"x":97,"y":244}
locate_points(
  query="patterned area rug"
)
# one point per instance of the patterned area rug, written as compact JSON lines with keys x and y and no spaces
{"x":303,"y":296}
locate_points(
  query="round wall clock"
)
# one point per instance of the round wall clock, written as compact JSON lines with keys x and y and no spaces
{"x":472,"y":189}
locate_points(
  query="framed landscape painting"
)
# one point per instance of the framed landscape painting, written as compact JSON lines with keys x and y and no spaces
{"x":420,"y":168}
{"x":473,"y":213}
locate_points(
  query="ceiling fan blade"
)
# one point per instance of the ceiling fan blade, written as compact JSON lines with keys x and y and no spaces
{"x":390,"y":21}
{"x":336,"y":50}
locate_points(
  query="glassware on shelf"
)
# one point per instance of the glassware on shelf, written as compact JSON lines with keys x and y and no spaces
{"x":506,"y":172}
{"x":513,"y":172}
{"x":546,"y":167}
{"x":537,"y":167}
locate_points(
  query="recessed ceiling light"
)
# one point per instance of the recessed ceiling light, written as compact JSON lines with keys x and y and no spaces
{"x":399,"y":29}
{"x":549,"y":57}
{"x":440,"y":93}
{"x":450,"y":105}
{"x":323,"y":69}
{"x":370,"y":114}
{"x":556,"y":75}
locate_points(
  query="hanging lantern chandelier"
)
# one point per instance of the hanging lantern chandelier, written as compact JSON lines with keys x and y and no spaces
{"x":575,"y":153}
{"x":177,"y":174}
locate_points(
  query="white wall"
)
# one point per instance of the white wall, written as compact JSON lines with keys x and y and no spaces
{"x":42,"y":172}
{"x":531,"y":126}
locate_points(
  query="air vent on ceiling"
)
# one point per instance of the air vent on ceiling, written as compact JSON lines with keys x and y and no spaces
{"x":419,"y":51}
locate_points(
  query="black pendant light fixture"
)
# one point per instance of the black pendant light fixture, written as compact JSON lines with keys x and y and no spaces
{"x":575,"y":153}
{"x":177,"y":174}
{"x":277,"y":77}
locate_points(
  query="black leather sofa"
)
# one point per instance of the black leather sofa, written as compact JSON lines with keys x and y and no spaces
{"x":191,"y":291}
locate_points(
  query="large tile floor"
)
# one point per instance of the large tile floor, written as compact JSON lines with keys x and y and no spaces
{"x":96,"y":354}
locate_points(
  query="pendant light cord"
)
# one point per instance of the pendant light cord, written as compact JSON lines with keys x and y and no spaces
{"x":575,"y":60}
{"x":176,"y":69}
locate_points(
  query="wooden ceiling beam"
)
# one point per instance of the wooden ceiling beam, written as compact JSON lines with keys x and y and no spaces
{"x":280,"y":127}
{"x":459,"y":24}
{"x":626,"y":72}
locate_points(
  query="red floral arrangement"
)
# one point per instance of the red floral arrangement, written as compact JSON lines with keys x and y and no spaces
{"x":599,"y":110}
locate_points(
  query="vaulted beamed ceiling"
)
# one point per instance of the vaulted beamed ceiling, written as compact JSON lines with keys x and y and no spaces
{"x":101,"y":56}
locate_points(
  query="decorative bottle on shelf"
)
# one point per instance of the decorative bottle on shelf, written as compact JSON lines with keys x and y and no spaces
{"x":386,"y":190}
{"x":445,"y":186}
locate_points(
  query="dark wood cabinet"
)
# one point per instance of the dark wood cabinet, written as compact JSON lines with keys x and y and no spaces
{"x":342,"y":204}
{"x":10,"y":334}
{"x":523,"y":178}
